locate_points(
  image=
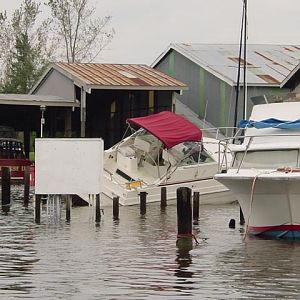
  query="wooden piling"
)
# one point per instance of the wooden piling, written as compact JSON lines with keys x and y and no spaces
{"x":116,"y":208}
{"x":242,"y":219}
{"x":5,"y":188}
{"x":143,"y":199}
{"x":37,"y":209}
{"x":26,"y":185}
{"x":68,"y":207}
{"x":98,"y":212}
{"x":163,"y":197}
{"x":196,"y":202}
{"x":184,"y":213}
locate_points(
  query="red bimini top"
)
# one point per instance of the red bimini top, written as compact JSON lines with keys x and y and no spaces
{"x":169,"y":128}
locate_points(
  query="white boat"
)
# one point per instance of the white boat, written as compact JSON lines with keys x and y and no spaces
{"x":265,"y":171}
{"x":166,"y":151}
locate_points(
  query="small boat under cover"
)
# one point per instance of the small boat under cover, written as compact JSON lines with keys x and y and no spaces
{"x":168,"y":151}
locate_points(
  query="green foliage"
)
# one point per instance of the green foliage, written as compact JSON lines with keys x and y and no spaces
{"x":29,"y":51}
{"x":28,"y":42}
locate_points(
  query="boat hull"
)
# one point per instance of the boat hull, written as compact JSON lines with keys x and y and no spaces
{"x":211,"y":192}
{"x":270,"y":203}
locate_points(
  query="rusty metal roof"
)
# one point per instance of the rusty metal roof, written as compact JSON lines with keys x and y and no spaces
{"x":118,"y":76}
{"x":266,"y":64}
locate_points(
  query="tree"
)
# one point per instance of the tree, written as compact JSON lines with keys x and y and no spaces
{"x":83,"y":35}
{"x":29,"y":48}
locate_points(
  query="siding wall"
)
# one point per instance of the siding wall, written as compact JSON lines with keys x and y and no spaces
{"x":208,"y":96}
{"x":57,"y":84}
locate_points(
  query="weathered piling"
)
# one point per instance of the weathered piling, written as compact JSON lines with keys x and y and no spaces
{"x":184,"y":216}
{"x":242,"y":219}
{"x":5,"y":188}
{"x":116,"y":208}
{"x":163,"y":197}
{"x":26,"y":185}
{"x":143,"y":200}
{"x":196,"y":202}
{"x":37,"y":208}
{"x":68,"y":207}
{"x":98,"y":211}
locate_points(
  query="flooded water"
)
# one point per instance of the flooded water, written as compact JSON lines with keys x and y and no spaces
{"x":137,"y":258}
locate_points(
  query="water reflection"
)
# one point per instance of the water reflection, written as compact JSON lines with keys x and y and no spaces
{"x":136,"y":257}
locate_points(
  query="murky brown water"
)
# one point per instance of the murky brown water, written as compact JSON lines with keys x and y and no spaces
{"x":137,"y":258}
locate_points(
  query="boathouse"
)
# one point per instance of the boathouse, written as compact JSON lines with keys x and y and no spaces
{"x":25,"y":114}
{"x":211,"y":71}
{"x":109,"y":94}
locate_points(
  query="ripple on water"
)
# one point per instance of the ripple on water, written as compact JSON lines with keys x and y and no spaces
{"x":137,"y":258}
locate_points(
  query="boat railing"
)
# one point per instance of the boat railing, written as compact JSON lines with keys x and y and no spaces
{"x":246,"y":141}
{"x":219,"y":133}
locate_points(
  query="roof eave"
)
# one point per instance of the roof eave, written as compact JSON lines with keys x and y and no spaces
{"x":146,"y":88}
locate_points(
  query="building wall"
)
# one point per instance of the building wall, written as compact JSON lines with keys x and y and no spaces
{"x":209,"y":97}
{"x":56,"y":84}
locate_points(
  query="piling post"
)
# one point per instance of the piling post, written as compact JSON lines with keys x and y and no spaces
{"x":37,"y":209}
{"x":26,"y":185}
{"x":196,"y":202}
{"x":242,"y":219}
{"x":184,"y":217}
{"x":116,"y":208}
{"x":143,"y":199}
{"x":5,"y":188}
{"x":98,"y":212}
{"x":68,"y":208}
{"x":163,"y":197}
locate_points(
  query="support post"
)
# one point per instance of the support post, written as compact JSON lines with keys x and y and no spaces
{"x":143,"y":199}
{"x":163,"y":197}
{"x":82,"y":113}
{"x":68,"y":208}
{"x":116,"y":208}
{"x":196,"y":202}
{"x":37,"y":209}
{"x":5,"y":188}
{"x":98,"y":212}
{"x":26,"y":185}
{"x":184,"y":215}
{"x":242,"y":219}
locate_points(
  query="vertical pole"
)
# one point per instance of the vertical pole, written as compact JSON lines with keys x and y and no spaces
{"x":82,"y":113}
{"x":163,"y":197}
{"x":184,"y":211}
{"x":5,"y":188}
{"x":68,"y":208}
{"x":98,"y":212}
{"x":116,"y":208}
{"x":242,"y":219}
{"x":196,"y":200}
{"x":37,"y":209}
{"x":68,"y":122}
{"x":143,"y":198}
{"x":26,"y":185}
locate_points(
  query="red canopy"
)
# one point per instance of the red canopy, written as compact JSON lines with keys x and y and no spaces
{"x":169,"y":128}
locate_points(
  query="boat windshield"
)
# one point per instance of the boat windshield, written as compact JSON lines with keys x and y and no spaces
{"x":266,"y":159}
{"x":189,"y":153}
{"x":11,"y":149}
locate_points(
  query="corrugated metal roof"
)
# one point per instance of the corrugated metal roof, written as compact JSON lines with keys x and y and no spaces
{"x":37,"y":100}
{"x":122,"y":76}
{"x":266,"y":64}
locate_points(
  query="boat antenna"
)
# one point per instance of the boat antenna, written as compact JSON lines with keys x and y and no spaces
{"x":245,"y":60}
{"x":239,"y":71}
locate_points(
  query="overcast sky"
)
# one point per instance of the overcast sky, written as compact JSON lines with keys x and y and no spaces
{"x":145,"y":28}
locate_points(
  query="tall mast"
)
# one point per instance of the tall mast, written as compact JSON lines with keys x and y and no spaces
{"x":245,"y":60}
